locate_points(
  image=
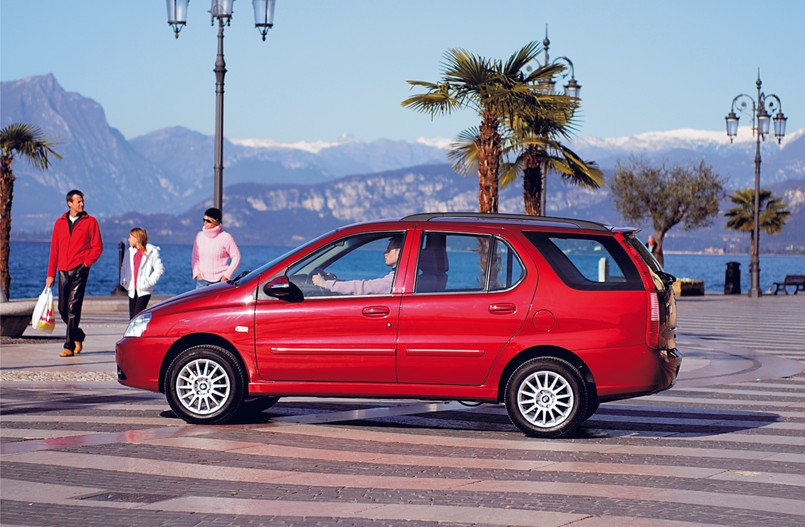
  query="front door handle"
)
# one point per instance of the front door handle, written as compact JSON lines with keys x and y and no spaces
{"x":502,"y":309}
{"x":376,"y":311}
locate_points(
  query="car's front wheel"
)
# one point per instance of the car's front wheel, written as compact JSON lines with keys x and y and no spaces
{"x":205,"y":385}
{"x":546,"y":397}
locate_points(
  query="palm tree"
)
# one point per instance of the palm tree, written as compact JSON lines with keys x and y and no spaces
{"x":773,"y":213}
{"x":495,"y":90}
{"x":29,"y":142}
{"x":534,"y":135}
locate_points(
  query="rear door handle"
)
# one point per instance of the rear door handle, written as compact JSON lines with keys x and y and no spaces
{"x":376,"y":311}
{"x":502,"y":309}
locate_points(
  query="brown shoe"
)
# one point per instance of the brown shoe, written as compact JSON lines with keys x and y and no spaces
{"x":66,"y":352}
{"x":78,"y":347}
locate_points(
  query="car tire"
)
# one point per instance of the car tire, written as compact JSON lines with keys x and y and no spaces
{"x":205,"y":385}
{"x":546,"y":397}
{"x":592,"y":407}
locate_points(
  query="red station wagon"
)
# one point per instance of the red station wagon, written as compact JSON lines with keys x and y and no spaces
{"x":550,"y":316}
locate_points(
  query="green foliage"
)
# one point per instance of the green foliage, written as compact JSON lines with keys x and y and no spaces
{"x":668,"y":196}
{"x":773,"y":213}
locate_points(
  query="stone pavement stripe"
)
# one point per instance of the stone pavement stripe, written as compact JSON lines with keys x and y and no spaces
{"x":628,"y":521}
{"x":219,"y":473}
{"x":34,"y":433}
{"x":60,"y":494}
{"x":93,"y":419}
{"x":735,"y":501}
{"x":434,"y":461}
{"x":552,"y":445}
{"x":767,"y":396}
{"x":435,"y":513}
{"x":712,"y":419}
{"x":611,"y":420}
{"x":676,"y":396}
{"x":761,"y":477}
{"x":319,"y":430}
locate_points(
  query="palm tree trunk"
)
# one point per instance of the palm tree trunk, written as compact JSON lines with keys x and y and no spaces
{"x":532,"y":184}
{"x":488,"y":162}
{"x":6,"y":198}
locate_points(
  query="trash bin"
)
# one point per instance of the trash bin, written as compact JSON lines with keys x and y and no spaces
{"x":732,"y":279}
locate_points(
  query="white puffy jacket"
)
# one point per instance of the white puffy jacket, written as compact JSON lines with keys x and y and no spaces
{"x":151,"y":269}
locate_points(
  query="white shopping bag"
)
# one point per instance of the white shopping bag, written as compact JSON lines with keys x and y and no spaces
{"x":43,"y":318}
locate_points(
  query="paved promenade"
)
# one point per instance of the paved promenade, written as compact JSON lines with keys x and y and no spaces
{"x":725,"y":447}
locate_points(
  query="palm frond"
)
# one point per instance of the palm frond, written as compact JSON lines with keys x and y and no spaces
{"x":463,"y":151}
{"x":28,"y":141}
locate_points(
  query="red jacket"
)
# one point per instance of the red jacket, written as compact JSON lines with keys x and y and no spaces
{"x":68,"y":251}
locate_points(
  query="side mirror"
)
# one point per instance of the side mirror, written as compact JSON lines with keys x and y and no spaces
{"x":282,"y":288}
{"x":279,"y":287}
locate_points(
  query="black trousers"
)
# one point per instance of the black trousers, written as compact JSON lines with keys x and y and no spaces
{"x":137,"y":304}
{"x":72,"y":284}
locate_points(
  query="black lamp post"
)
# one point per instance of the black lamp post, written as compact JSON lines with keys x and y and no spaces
{"x":572,"y":89}
{"x":222,"y":11}
{"x":760,"y":128}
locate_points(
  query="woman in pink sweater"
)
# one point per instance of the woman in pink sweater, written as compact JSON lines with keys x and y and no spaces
{"x":215,"y":253}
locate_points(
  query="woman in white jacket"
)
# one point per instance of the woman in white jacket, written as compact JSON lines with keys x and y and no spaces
{"x":140,"y":271}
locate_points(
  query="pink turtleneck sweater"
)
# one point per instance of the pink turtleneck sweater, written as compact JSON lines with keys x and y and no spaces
{"x":215,"y":255}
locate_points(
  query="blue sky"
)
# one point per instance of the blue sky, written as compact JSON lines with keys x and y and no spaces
{"x":333,"y":67}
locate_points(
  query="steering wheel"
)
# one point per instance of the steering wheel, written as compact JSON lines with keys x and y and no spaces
{"x":324,"y":274}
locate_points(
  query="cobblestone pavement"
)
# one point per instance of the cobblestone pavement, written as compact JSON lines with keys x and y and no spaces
{"x":725,"y":447}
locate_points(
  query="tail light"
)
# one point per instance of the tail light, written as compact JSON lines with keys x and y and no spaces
{"x":653,"y":300}
{"x":653,"y":326}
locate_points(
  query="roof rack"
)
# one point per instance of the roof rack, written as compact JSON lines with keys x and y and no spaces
{"x":579,"y":224}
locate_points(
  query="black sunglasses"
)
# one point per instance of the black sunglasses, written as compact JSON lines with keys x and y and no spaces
{"x":207,"y":220}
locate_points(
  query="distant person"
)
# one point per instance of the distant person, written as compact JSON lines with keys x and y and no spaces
{"x":376,"y":286}
{"x":75,"y":246}
{"x":141,"y":270}
{"x":651,"y":244}
{"x":215,"y":253}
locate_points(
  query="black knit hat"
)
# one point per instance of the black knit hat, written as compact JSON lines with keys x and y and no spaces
{"x":213,"y":213}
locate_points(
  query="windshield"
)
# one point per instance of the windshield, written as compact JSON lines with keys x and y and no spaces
{"x":275,"y":261}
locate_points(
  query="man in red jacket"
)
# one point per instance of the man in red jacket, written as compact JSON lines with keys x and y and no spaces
{"x":74,"y":246}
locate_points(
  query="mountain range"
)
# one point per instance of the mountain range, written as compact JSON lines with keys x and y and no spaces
{"x":283,"y":194}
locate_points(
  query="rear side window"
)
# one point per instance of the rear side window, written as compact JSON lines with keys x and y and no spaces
{"x":451,"y":263}
{"x":588,"y":262}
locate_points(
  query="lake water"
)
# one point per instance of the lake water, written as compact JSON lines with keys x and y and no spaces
{"x":29,"y":267}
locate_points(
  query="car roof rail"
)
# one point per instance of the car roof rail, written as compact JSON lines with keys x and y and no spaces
{"x":547,"y":220}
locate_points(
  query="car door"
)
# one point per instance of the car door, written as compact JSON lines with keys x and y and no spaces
{"x":465,"y":306}
{"x":320,"y":335}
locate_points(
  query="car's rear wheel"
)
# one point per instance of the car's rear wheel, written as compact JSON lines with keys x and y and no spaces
{"x":546,"y":397}
{"x":205,"y":385}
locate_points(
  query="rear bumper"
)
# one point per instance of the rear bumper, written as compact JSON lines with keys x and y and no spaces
{"x":658,"y":369}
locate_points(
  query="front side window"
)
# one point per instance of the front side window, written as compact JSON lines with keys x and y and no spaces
{"x":450,"y":263}
{"x":364,"y":264}
{"x":588,"y":262}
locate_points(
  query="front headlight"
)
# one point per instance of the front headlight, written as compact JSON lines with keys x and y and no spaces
{"x":137,"y":326}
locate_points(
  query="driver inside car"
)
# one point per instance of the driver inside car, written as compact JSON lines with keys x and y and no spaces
{"x":376,"y":286}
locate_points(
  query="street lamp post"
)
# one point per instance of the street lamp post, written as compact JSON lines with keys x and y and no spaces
{"x":762,"y":107}
{"x":572,"y":89}
{"x":221,"y":10}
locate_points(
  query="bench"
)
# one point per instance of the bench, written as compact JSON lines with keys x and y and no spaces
{"x":797,"y":280}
